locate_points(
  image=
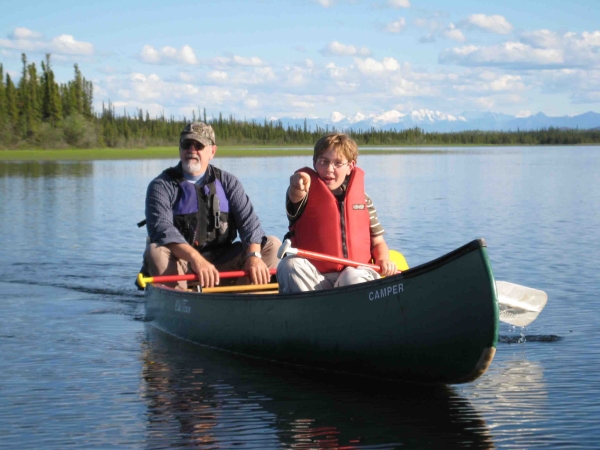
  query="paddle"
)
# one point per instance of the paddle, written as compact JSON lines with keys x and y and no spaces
{"x":518,"y":305}
{"x":286,"y":248}
{"x":142,"y":280}
{"x":243,"y":288}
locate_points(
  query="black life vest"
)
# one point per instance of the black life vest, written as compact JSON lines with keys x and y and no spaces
{"x":201,"y":214}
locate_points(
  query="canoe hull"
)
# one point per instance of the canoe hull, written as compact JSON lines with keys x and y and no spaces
{"x":435,"y":323}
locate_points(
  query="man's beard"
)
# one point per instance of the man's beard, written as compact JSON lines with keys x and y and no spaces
{"x":191,"y":166}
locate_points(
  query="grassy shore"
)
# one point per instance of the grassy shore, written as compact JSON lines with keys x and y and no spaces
{"x":143,"y":153}
{"x":171,"y":152}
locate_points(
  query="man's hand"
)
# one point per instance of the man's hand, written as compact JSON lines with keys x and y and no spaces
{"x":257,"y":270}
{"x":208,"y":275}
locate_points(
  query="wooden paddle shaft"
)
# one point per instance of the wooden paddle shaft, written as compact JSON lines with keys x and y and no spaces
{"x":193,"y":276}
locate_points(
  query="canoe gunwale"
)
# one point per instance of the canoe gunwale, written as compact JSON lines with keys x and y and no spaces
{"x":407,"y":274}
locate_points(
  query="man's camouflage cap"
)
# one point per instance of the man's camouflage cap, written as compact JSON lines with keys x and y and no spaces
{"x":200,"y":132}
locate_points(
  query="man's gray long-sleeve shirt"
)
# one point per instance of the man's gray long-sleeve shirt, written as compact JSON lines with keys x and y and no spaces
{"x":162,"y":194}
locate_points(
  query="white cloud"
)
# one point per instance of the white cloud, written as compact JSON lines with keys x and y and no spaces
{"x":369,"y":66}
{"x":399,"y":3}
{"x":406,"y":88}
{"x":540,"y":49}
{"x":454,"y":33}
{"x":303,"y":105}
{"x":337,"y":49}
{"x":336,"y":117}
{"x":149,"y":55}
{"x":241,"y":75}
{"x":541,"y":39}
{"x":582,"y":85}
{"x":523,"y":113}
{"x":252,"y":103}
{"x":25,"y":40}
{"x":252,"y":61}
{"x":495,"y":24}
{"x":436,"y":28}
{"x":397,"y":26}
{"x":218,"y":75}
{"x":138,"y":77}
{"x":236,"y":61}
{"x":296,"y":76}
{"x":489,"y":82}
{"x":266,"y":73}
{"x":325,"y":3}
{"x":187,"y":55}
{"x":485,"y":103}
{"x":24,"y":33}
{"x":168,"y":55}
{"x":508,"y":54}
{"x":335,"y":71}
{"x":139,"y":89}
{"x":507,"y":83}
{"x":67,"y":45}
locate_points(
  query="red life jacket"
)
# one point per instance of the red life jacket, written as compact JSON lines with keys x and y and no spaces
{"x":333,"y":228}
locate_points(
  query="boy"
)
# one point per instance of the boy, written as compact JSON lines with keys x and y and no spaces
{"x":329,"y":212}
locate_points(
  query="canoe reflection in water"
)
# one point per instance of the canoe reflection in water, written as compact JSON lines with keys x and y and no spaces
{"x":206,"y":398}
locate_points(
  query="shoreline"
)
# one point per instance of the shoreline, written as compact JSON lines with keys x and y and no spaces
{"x":225,"y":151}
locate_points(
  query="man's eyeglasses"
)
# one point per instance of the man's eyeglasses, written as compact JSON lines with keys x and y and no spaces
{"x":324,"y":162}
{"x":185,"y":145}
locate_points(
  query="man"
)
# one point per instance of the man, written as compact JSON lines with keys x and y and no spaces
{"x":194,"y":212}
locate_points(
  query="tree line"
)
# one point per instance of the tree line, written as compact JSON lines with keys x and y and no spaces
{"x":38,"y":112}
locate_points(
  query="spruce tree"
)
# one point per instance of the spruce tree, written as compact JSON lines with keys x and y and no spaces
{"x":24,"y":104}
{"x":33,"y":119}
{"x":12,"y":102}
{"x":3,"y":112}
{"x":51,"y":103}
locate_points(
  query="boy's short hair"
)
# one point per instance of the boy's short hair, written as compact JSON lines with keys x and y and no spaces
{"x":341,"y":143}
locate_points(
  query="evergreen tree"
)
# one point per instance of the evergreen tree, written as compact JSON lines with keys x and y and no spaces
{"x":12,"y":102}
{"x":51,"y":103}
{"x":3,"y":112}
{"x":24,"y":104}
{"x":34,"y":116}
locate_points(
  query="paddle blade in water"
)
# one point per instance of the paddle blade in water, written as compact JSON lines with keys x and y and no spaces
{"x":519,"y":305}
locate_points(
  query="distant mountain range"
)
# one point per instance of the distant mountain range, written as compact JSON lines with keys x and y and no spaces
{"x":436,"y":121}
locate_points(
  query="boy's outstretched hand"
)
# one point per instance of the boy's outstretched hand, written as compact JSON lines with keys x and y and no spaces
{"x":299,"y":185}
{"x":300,"y":181}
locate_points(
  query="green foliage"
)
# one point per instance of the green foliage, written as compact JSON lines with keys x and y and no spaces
{"x":3,"y":115}
{"x":51,"y":102}
{"x":40,"y":113}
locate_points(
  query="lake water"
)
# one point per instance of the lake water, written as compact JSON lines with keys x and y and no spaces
{"x":80,"y":368}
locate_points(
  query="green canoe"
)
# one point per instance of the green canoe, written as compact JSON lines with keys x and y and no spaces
{"x":434,"y":323}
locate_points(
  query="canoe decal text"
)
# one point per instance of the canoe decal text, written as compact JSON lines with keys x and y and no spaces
{"x":182,"y":306}
{"x":385,"y":291}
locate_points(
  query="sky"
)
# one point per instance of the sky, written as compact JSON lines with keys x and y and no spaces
{"x":257,"y":59}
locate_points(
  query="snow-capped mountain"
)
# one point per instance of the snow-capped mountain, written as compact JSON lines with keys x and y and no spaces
{"x":429,"y":120}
